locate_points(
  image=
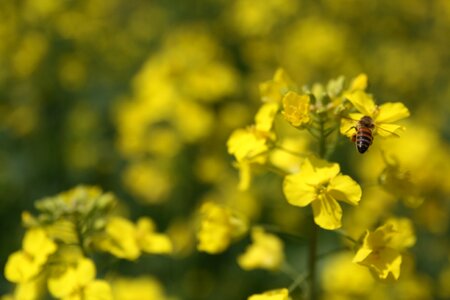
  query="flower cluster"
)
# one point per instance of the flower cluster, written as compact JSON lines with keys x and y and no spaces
{"x":57,"y":255}
{"x":323,"y":111}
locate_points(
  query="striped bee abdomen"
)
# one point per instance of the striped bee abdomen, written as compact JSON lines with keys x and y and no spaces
{"x":363,"y":138}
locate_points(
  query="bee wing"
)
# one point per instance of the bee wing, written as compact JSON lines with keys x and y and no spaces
{"x":386,"y":130}
{"x":347,"y":123}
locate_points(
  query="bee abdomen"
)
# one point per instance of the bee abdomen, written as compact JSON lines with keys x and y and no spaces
{"x":363,"y":139}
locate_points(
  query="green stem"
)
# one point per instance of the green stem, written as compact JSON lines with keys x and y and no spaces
{"x":79,"y":234}
{"x":312,"y":261}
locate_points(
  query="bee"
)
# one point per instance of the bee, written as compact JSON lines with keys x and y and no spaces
{"x":363,"y":137}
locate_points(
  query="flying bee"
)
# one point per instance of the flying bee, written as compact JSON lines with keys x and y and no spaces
{"x":363,"y":137}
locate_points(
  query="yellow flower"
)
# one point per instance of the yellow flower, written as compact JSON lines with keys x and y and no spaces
{"x":149,"y":240}
{"x":250,"y":146}
{"x":266,"y":252}
{"x":125,"y":240}
{"x":121,"y":241}
{"x":280,"y":294}
{"x":320,"y":184}
{"x":296,"y":108}
{"x":274,"y":90}
{"x":383,"y":116}
{"x":343,"y":279}
{"x":218,"y":226}
{"x":78,"y":282}
{"x":381,"y":249}
{"x":27,"y":263}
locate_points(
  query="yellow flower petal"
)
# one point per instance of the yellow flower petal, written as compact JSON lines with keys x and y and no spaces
{"x":156,"y":243}
{"x":344,"y":188}
{"x":245,"y":175}
{"x":85,"y":271}
{"x":266,"y":252}
{"x":359,"y":83}
{"x":404,"y":236}
{"x":363,"y":103}
{"x":98,"y":290}
{"x":247,"y":144}
{"x":361,"y":254}
{"x":265,"y":116}
{"x":296,"y":108}
{"x":327,"y":212}
{"x":280,"y":294}
{"x":63,"y":285}
{"x":121,"y":240}
{"x":273,"y":90}
{"x":322,"y":175}
{"x":20,"y":267}
{"x":386,"y":261}
{"x":297,"y":190}
{"x":37,"y":244}
{"x":391,"y":112}
{"x":348,"y":123}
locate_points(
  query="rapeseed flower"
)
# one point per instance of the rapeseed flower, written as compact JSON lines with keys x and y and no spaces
{"x":25,"y":264}
{"x":218,"y":227}
{"x":320,"y":184}
{"x":78,"y":282}
{"x":126,"y":240}
{"x":296,"y":108}
{"x":381,"y":249}
{"x":266,"y":252}
{"x":383,"y":116}
{"x":251,"y":145}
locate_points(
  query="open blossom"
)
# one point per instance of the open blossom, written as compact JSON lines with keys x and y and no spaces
{"x":381,"y":249}
{"x":320,"y":184}
{"x":266,"y":252}
{"x":383,"y":116}
{"x":251,"y":145}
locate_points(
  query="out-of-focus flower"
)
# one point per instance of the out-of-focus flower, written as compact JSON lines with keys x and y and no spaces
{"x":296,"y":109}
{"x":383,"y":116}
{"x":280,"y":294}
{"x":266,"y":252}
{"x":274,"y":90}
{"x":343,"y":279}
{"x":78,"y":282}
{"x":320,"y":184}
{"x":218,"y":227}
{"x":381,"y":249}
{"x":250,"y":19}
{"x":147,"y":181}
{"x":137,"y":288}
{"x":25,"y":264}
{"x":251,"y":145}
{"x":125,"y":240}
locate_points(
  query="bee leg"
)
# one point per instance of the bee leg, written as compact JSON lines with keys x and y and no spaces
{"x":354,"y":138}
{"x":353,"y":127}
